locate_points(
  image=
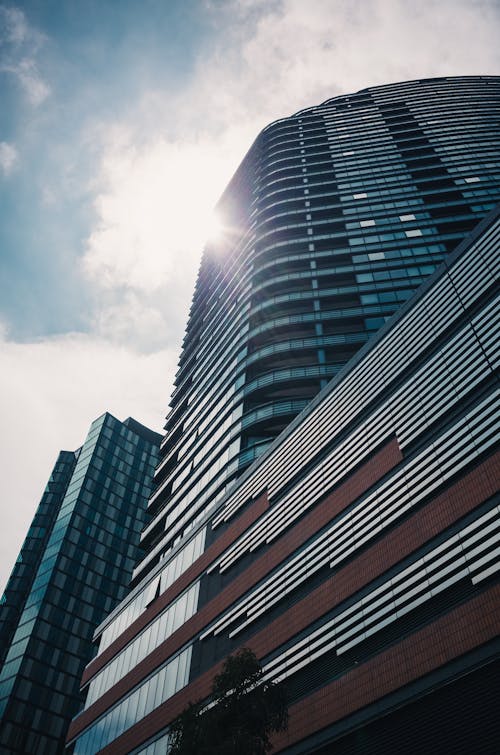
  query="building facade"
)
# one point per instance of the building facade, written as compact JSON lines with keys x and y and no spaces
{"x":74,"y":566}
{"x":334,"y":218}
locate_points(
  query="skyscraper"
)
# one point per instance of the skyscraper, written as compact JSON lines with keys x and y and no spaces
{"x":334,"y":218}
{"x":31,"y":553}
{"x":74,"y":566}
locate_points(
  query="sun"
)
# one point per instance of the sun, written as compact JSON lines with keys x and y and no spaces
{"x":214,"y":228}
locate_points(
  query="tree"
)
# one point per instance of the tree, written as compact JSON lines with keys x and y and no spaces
{"x":244,"y":710}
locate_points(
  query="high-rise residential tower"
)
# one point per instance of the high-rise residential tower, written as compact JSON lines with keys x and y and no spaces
{"x":74,"y":566}
{"x":334,"y":218}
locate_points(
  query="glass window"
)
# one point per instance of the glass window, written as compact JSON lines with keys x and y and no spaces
{"x":170,"y":678}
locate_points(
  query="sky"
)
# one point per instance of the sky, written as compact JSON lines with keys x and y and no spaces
{"x":121,"y":122}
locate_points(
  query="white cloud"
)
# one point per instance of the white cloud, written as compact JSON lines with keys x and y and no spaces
{"x":13,"y":26}
{"x":49,"y":394}
{"x":141,"y":321}
{"x":20,"y":44}
{"x":8,"y":158}
{"x":299,"y":54}
{"x":154,"y":207}
{"x":30,"y":79}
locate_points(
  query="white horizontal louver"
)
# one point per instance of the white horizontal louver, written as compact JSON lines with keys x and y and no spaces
{"x":450,"y":452}
{"x":473,"y":553}
{"x":420,"y":401}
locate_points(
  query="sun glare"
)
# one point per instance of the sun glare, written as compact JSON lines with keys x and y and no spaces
{"x":214,"y":228}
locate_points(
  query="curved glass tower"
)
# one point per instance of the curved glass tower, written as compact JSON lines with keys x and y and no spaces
{"x":349,"y":538}
{"x":334,"y":217}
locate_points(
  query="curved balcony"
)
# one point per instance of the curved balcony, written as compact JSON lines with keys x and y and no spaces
{"x":278,"y":409}
{"x":289,"y":375}
{"x":296,"y":344}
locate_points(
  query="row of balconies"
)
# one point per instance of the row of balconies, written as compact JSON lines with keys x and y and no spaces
{"x":365,"y":137}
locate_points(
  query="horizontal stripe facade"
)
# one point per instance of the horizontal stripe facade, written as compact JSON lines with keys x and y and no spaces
{"x":370,"y":526}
